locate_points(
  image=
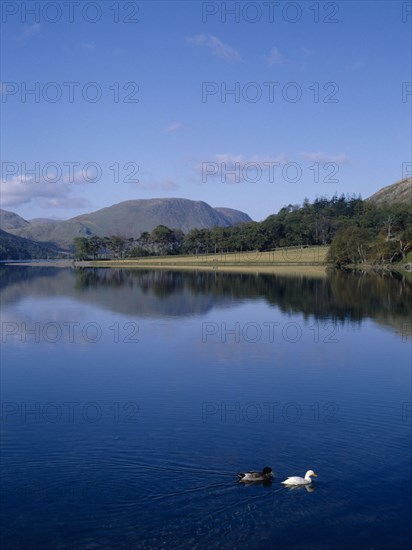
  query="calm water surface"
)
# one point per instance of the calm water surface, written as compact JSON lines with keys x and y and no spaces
{"x":130,"y":399}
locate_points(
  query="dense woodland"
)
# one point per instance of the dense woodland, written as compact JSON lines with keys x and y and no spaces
{"x":357,"y":231}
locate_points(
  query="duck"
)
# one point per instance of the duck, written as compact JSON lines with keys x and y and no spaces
{"x":265,"y":475}
{"x":296,"y":480}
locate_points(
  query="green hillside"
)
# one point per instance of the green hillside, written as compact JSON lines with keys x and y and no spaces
{"x":18,"y":248}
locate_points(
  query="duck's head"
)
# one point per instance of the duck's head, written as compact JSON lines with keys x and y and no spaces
{"x":311,"y":473}
{"x":267,"y":471}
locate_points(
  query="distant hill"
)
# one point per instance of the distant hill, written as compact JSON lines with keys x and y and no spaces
{"x":131,"y":218}
{"x":10,"y":220}
{"x":42,"y":221}
{"x":235,"y":216}
{"x":13,"y":247}
{"x":400,"y":192}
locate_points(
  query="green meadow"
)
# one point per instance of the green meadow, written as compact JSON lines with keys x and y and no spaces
{"x":302,"y":260}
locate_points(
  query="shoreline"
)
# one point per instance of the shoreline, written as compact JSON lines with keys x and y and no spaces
{"x":309,"y":270}
{"x":40,"y":263}
{"x":280,"y":269}
{"x":296,"y":261}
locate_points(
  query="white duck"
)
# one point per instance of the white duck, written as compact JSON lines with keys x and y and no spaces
{"x":296,"y":480}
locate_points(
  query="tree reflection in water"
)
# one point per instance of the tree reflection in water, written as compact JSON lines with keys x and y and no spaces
{"x":340,"y":296}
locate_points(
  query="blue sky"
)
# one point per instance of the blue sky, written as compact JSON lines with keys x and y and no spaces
{"x":316,"y":109}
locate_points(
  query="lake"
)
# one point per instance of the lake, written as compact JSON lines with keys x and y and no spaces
{"x":131,"y":398}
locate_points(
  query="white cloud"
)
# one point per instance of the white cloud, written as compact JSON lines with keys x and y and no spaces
{"x":216,"y":46}
{"x":274,"y":57}
{"x":197,"y":39}
{"x":47,"y":194}
{"x":230,"y":160}
{"x":173,"y":127}
{"x":29,"y":31}
{"x":323,"y":158}
{"x":66,"y":202}
{"x":81,"y":176}
{"x":230,"y":168}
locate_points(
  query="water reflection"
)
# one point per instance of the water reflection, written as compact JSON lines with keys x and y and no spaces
{"x":165,"y":477}
{"x":309,"y":488}
{"x":266,"y":483}
{"x":340,"y":296}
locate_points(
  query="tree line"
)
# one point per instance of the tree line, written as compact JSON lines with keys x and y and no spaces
{"x":357,"y":231}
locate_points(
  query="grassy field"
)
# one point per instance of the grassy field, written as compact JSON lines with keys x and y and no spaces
{"x":291,"y":260}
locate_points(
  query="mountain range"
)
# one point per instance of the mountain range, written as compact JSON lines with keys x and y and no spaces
{"x":45,"y":236}
{"x":128,"y":219}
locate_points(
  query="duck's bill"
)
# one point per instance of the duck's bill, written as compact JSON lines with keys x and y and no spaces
{"x":315,"y":475}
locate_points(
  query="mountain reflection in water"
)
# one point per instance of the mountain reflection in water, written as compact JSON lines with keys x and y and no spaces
{"x":127,"y":412}
{"x":340,"y":296}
